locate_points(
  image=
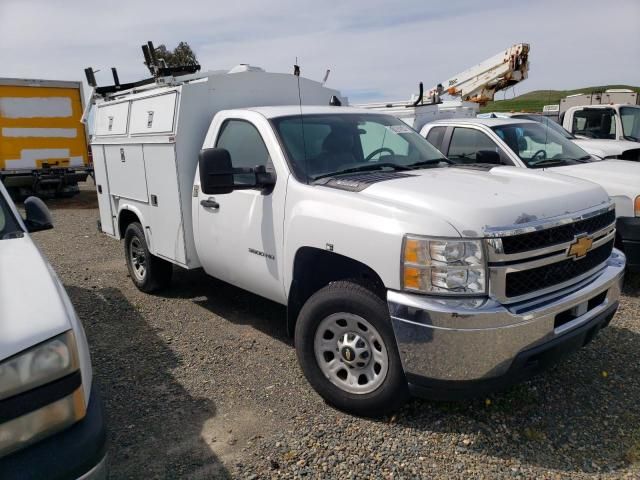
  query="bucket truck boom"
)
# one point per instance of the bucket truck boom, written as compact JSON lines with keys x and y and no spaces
{"x":471,"y":88}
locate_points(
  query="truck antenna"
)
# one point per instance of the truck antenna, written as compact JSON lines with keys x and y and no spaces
{"x":296,"y":72}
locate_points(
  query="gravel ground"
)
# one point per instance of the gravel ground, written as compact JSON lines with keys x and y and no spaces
{"x":202,"y":382}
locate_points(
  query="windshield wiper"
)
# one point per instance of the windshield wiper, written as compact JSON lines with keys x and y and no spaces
{"x":430,"y":162}
{"x":363,"y":168}
{"x":551,"y":161}
{"x":631,"y":137}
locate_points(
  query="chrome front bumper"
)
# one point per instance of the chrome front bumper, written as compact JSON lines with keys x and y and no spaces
{"x":446,"y":340}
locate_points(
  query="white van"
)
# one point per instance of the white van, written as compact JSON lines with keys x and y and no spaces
{"x":51,"y":420}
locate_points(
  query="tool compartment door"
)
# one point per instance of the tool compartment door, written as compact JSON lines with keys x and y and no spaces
{"x":102,"y":187}
{"x":112,"y":119}
{"x":164,"y":214}
{"x":125,"y":164}
{"x":153,"y":115}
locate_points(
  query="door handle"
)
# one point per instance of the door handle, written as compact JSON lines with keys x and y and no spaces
{"x":210,"y":203}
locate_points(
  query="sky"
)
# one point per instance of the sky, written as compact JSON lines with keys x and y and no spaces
{"x":376,"y":50}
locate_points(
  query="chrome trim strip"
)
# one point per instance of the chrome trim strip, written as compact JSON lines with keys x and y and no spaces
{"x":544,"y":224}
{"x":560,"y":250}
{"x":496,"y":255}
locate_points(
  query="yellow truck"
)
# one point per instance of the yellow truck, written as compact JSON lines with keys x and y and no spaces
{"x":43,"y":144}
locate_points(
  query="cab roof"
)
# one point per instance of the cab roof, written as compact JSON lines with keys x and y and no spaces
{"x":292,"y":110}
{"x":489,"y":122}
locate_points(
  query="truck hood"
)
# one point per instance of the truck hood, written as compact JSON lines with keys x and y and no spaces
{"x":617,"y":177}
{"x":472,"y":200}
{"x":605,"y":148}
{"x":31,"y":303}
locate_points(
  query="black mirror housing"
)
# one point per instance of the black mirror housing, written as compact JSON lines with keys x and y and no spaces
{"x":488,"y":156}
{"x":38,"y":216}
{"x":216,"y":171}
{"x":218,"y":177}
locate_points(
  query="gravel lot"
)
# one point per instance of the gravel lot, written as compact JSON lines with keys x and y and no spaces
{"x":202,"y":382}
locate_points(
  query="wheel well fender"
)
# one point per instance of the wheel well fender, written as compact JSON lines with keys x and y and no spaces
{"x":127,"y":216}
{"x":314,"y":268}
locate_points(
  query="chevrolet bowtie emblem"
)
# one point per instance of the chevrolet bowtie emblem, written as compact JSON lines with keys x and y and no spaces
{"x":580,"y":247}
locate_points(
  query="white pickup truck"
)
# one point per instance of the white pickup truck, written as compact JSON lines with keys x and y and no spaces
{"x":400,"y":273}
{"x":529,"y":144}
{"x":612,"y":129}
{"x":51,"y":419}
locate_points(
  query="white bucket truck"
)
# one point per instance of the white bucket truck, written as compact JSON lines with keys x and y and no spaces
{"x":400,"y":273}
{"x":606,"y":123}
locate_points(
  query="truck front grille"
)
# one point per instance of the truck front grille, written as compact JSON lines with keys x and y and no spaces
{"x":527,"y":281}
{"x":538,"y":258}
{"x":556,"y":235}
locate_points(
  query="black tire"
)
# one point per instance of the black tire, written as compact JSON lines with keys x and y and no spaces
{"x":157,"y":272}
{"x":350,"y":297}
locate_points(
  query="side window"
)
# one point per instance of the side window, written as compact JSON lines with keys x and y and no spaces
{"x":467,"y":142}
{"x":244,"y":143}
{"x":435,"y":136}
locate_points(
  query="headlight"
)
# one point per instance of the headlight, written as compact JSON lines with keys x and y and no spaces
{"x":636,"y":206}
{"x":23,"y":374}
{"x":41,"y":364}
{"x":443,"y":266}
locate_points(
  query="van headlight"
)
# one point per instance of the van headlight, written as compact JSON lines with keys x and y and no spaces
{"x":38,"y":365}
{"x":443,"y":266}
{"x":30,"y":374}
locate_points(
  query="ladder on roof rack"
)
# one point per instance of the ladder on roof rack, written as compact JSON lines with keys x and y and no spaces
{"x":157,"y":68}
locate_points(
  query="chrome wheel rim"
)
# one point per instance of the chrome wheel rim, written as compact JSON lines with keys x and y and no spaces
{"x":137,"y":258}
{"x":350,"y":353}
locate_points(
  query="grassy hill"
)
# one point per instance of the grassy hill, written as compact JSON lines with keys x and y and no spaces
{"x":534,"y":101}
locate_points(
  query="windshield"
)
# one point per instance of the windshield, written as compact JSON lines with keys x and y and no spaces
{"x":8,"y":224}
{"x":547,"y":122}
{"x":538,"y":146}
{"x":329,"y":144}
{"x":595,"y":123}
{"x":630,"y":117}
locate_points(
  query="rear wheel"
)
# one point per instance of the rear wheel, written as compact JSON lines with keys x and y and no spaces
{"x":148,"y":272}
{"x":347,"y":350}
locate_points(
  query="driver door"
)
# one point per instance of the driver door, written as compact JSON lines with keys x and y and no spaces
{"x":239,"y":234}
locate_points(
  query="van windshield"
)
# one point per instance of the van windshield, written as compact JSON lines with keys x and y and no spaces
{"x":539,"y":146}
{"x":8,"y":225}
{"x":325,"y":145}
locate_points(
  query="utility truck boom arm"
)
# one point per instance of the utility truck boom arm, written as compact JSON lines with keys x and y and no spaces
{"x":471,"y":88}
{"x":480,"y":83}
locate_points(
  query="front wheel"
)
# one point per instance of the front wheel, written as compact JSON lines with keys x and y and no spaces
{"x":347,"y":350}
{"x":148,"y":272}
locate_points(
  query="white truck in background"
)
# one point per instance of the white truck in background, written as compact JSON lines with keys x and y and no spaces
{"x":608,"y":121}
{"x":530,"y":144}
{"x":400,"y":274}
{"x":474,"y":87}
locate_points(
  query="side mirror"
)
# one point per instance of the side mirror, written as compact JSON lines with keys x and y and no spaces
{"x":488,"y":156}
{"x":216,"y":171}
{"x":38,"y":216}
{"x":218,"y":177}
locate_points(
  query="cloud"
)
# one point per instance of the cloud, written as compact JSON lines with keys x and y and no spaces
{"x":376,"y":49}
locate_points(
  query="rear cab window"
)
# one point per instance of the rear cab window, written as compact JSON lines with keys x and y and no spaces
{"x":435,"y":137}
